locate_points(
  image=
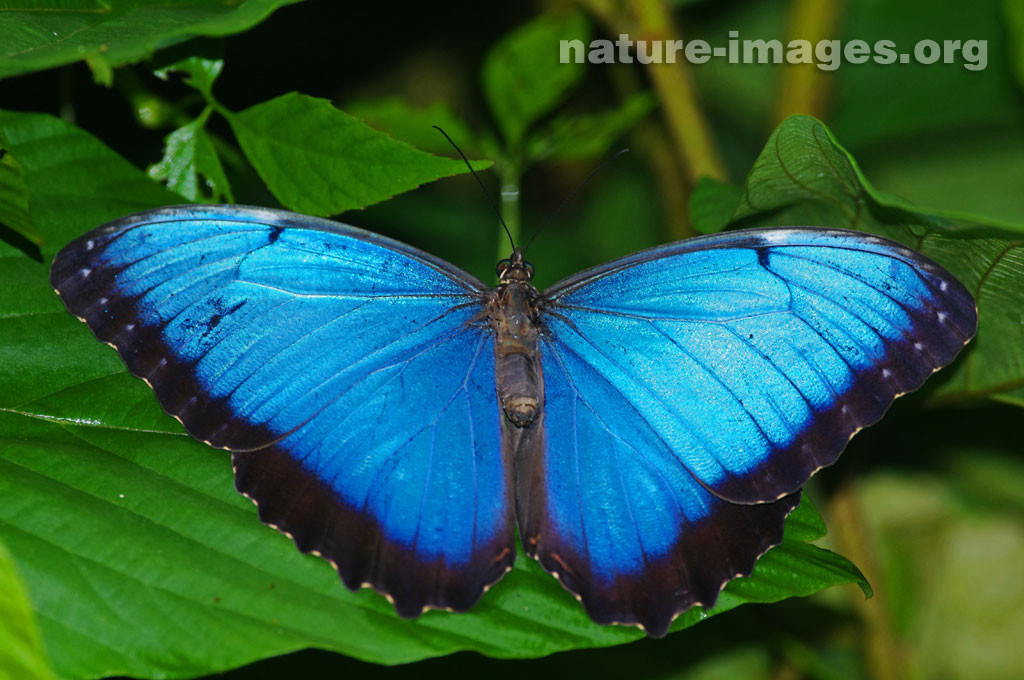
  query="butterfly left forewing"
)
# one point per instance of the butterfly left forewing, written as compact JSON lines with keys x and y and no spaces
{"x":339,"y":367}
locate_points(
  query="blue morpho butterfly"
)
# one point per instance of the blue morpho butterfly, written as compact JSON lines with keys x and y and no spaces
{"x":647,"y":423}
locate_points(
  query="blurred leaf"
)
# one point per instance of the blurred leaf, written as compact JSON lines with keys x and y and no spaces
{"x":199,"y":72}
{"x":804,"y":177}
{"x":190,"y":165}
{"x":995,"y":481}
{"x":712,"y":204}
{"x":870,"y":106}
{"x":107,"y":33}
{"x":875,"y":103}
{"x":414,"y":126}
{"x":321,"y":161}
{"x":14,"y":200}
{"x":586,"y":136}
{"x":621,"y":214}
{"x":1013,"y":10}
{"x":748,"y":663}
{"x":102,"y":70}
{"x":978,"y":171}
{"x":141,"y":556}
{"x":21,"y":651}
{"x":738,"y":97}
{"x":953,"y":574}
{"x":522,"y":77}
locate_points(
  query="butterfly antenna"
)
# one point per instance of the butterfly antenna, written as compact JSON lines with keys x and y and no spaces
{"x":571,"y":196}
{"x":490,"y":199}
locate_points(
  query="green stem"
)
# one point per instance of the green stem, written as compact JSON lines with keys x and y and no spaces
{"x":508,"y":175}
{"x":664,"y":164}
{"x":804,"y":88}
{"x":673,"y":83}
{"x":66,"y":91}
{"x":884,"y":655}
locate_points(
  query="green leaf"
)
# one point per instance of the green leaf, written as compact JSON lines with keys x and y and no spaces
{"x":805,"y":524}
{"x":141,"y":557}
{"x":804,"y":176}
{"x":586,"y":136}
{"x":190,"y":165}
{"x":200,"y":72}
{"x":170,"y":536}
{"x":712,"y":204}
{"x":108,"y":33}
{"x":522,"y":76}
{"x":321,"y":161}
{"x":414,"y":126}
{"x":15,"y":212}
{"x":21,"y":650}
{"x":74,"y":181}
{"x":794,"y":568}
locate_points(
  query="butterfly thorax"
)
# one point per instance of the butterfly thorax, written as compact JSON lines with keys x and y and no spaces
{"x":513,"y":317}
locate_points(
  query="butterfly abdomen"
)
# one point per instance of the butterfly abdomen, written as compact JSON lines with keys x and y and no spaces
{"x":515,"y":351}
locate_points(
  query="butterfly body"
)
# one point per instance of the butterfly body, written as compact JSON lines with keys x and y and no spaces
{"x":514,"y":317}
{"x":646,"y":424}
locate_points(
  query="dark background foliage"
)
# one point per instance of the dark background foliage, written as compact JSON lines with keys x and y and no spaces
{"x":929,"y":504}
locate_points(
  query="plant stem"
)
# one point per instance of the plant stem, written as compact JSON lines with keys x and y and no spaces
{"x":675,"y":88}
{"x":651,"y":20}
{"x":508,"y":175}
{"x":649,"y":135}
{"x":805,"y":88}
{"x":884,"y":656}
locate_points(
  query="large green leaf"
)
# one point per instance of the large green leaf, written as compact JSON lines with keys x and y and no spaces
{"x":41,"y":35}
{"x":522,"y":76}
{"x":804,"y":176}
{"x":74,"y":181}
{"x":139,"y":556}
{"x":321,"y":161}
{"x":21,"y":650}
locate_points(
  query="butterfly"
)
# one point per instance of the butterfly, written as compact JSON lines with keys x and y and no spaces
{"x":646,"y":424}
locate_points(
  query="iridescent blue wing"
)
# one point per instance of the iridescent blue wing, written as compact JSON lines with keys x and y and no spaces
{"x":606,"y":506}
{"x":692,"y":389}
{"x":343,"y":370}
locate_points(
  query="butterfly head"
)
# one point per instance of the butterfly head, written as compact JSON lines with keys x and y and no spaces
{"x":515,"y":268}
